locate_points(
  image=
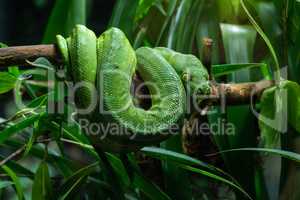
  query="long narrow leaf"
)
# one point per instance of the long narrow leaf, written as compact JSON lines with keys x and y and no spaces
{"x":72,"y":185}
{"x":266,"y":39}
{"x":278,"y":152}
{"x":42,"y":187}
{"x":180,"y":158}
{"x":188,"y":163}
{"x":220,"y":70}
{"x":19,"y":126}
{"x":16,"y":181}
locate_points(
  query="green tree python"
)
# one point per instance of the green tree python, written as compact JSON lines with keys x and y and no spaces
{"x":109,"y":63}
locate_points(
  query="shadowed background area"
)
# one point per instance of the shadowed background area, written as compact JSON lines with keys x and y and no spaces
{"x":21,"y":22}
{"x":25,"y":22}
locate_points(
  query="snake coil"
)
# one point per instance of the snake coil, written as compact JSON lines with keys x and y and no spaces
{"x":108,"y":64}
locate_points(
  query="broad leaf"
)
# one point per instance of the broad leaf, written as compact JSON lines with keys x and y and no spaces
{"x":7,"y":82}
{"x":279,"y":105}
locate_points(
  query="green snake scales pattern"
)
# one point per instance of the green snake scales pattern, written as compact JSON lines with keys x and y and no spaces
{"x":109,"y":63}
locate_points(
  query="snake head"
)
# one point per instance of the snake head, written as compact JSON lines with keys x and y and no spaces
{"x":196,"y":82}
{"x":201,"y":90}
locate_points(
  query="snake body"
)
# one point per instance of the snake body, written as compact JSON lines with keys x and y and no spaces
{"x":109,"y":64}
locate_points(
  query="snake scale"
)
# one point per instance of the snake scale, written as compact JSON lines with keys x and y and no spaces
{"x":109,"y":63}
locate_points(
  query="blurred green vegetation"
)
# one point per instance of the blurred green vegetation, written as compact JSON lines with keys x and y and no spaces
{"x":250,"y":41}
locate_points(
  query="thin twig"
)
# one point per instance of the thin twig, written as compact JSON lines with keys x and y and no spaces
{"x":13,"y":155}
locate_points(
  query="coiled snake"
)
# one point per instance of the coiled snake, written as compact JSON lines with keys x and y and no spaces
{"x":109,"y":63}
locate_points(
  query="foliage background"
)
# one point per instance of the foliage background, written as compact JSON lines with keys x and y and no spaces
{"x":69,"y":167}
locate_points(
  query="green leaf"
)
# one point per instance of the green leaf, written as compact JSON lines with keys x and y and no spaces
{"x":189,"y":163}
{"x":139,"y":38}
{"x":275,"y":102}
{"x":4,"y":184}
{"x":43,"y":63}
{"x":18,"y":169}
{"x":123,"y":16}
{"x":7,"y":82}
{"x":32,"y":139}
{"x":139,"y":181}
{"x":174,"y":190}
{"x":16,"y":127}
{"x":177,"y":24}
{"x":65,"y":166}
{"x":148,"y":188}
{"x":183,"y":27}
{"x":64,"y":16}
{"x":143,"y":8}
{"x":239,"y":42}
{"x":74,"y":133}
{"x":2,"y":45}
{"x":216,"y":177}
{"x":77,"y":14}
{"x":110,"y":175}
{"x":172,"y":156}
{"x":15,"y":180}
{"x":220,"y":70}
{"x":42,"y":187}
{"x":57,"y":21}
{"x":269,"y":20}
{"x":38,"y":102}
{"x":73,"y":184}
{"x":119,"y":169}
{"x":170,"y":10}
{"x":282,"y":153}
{"x":266,"y":39}
{"x":293,"y":35}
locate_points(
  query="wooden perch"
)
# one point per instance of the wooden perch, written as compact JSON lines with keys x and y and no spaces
{"x":230,"y":94}
{"x":18,"y":55}
{"x":236,"y":94}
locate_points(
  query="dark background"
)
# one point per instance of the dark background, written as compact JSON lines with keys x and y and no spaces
{"x":23,"y":22}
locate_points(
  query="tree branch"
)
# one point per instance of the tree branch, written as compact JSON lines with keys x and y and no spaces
{"x":232,"y":94}
{"x":19,"y":55}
